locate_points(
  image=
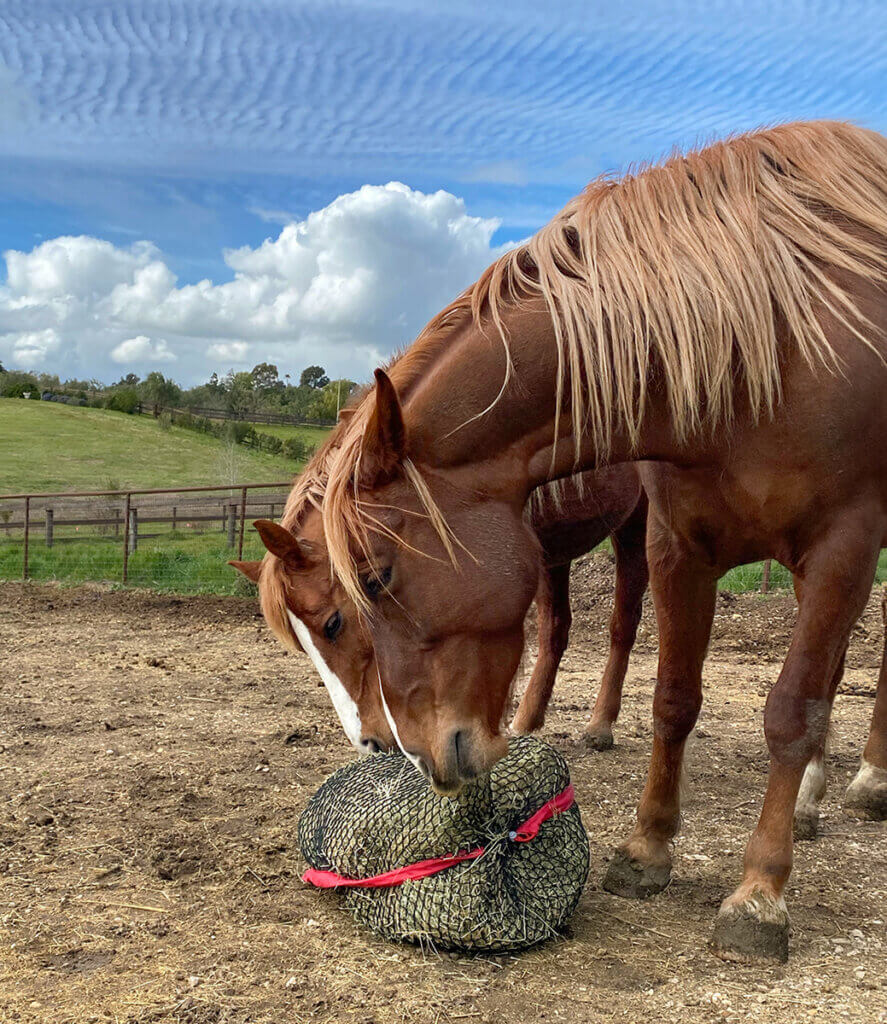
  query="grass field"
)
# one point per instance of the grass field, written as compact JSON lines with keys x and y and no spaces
{"x":54,"y":447}
{"x":175,"y":562}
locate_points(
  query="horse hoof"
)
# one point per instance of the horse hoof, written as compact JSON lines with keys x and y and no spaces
{"x":757,"y":926}
{"x":519,"y":727}
{"x":866,"y":795}
{"x":806,"y":826}
{"x":599,"y":738}
{"x":633,"y":880}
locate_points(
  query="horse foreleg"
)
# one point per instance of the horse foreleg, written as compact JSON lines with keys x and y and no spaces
{"x":866,"y":796}
{"x":684,"y":593}
{"x":553,"y":619}
{"x":631,"y":583}
{"x":837,"y":578}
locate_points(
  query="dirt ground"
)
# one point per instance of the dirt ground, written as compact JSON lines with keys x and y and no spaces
{"x":155,"y":753}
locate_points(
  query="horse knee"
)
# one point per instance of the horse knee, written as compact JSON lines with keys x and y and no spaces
{"x":795,"y":729}
{"x":676,"y":707}
{"x":624,"y":628}
{"x":560,"y":634}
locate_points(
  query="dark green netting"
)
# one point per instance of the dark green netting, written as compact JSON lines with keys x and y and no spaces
{"x":379,"y":813}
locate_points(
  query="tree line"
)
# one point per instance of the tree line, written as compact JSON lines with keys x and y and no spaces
{"x":260,"y":390}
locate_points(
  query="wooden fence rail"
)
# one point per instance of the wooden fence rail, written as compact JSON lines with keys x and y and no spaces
{"x":269,"y":418}
{"x":232,"y":503}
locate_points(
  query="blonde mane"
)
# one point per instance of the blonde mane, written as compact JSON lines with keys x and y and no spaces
{"x":681,"y":271}
{"x":307,"y":492}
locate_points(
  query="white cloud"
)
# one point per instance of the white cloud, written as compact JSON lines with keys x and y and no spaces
{"x":73,"y":266}
{"x":343,"y":287}
{"x":141,"y":349}
{"x":32,"y":347}
{"x":230,"y":351}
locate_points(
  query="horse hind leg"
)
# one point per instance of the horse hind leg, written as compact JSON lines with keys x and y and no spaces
{"x":554,"y":619}
{"x":837,"y":580}
{"x":866,"y":796}
{"x":631,"y":583}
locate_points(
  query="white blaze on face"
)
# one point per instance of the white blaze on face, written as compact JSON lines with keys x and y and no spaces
{"x":345,"y":707}
{"x":392,"y":725}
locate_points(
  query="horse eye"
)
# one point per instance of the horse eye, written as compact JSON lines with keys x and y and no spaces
{"x":333,"y":626}
{"x":375,"y":584}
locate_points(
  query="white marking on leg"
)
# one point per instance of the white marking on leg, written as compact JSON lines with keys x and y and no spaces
{"x":869,"y":778}
{"x":812,"y":789}
{"x":346,"y":709}
{"x":392,"y":725}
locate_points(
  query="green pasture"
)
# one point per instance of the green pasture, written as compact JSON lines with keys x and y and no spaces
{"x":174,"y":562}
{"x":45,"y":446}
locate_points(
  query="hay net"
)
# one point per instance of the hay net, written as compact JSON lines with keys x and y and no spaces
{"x":379,"y":814}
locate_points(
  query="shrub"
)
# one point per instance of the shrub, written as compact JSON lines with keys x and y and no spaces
{"x":122,"y":400}
{"x":297,"y":450}
{"x":17,"y":385}
{"x":234,"y":431}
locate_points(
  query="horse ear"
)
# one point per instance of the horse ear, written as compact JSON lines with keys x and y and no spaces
{"x":385,"y":438}
{"x":252,"y":570}
{"x":282,"y":543}
{"x":346,"y":413}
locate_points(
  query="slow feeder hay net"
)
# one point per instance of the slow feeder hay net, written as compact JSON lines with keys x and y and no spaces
{"x":510,"y":891}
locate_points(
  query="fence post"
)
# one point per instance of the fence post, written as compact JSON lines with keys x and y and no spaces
{"x":224,"y":517}
{"x":765,"y":577}
{"x":27,"y":531}
{"x":126,"y":537}
{"x":232,"y":523}
{"x":173,"y":519}
{"x":133,"y":530}
{"x":242,"y":523}
{"x":49,"y":515}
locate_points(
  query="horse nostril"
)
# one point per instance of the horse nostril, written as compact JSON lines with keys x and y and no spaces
{"x":462,"y":749}
{"x":372,"y":746}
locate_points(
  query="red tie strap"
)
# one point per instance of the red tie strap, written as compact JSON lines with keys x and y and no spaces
{"x":424,"y":868}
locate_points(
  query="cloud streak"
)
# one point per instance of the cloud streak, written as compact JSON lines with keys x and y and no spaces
{"x":511,"y":92}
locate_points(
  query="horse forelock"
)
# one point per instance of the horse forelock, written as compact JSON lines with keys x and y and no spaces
{"x":684,"y":268}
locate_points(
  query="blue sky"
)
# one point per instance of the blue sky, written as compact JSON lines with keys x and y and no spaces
{"x":152,"y":137}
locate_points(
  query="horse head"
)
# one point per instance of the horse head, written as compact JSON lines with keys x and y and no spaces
{"x":445,"y":618}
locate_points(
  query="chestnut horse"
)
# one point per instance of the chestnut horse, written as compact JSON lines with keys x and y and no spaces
{"x":723,"y":312}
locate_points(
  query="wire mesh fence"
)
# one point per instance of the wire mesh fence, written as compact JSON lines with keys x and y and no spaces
{"x":177,"y":539}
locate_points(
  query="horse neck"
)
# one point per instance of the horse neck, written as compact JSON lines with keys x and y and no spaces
{"x":458,"y":415}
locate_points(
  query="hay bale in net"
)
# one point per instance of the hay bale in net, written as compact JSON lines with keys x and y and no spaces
{"x":379,"y":815}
